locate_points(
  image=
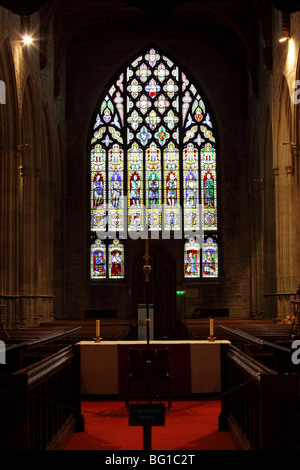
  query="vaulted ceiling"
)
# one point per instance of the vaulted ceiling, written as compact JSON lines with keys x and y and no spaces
{"x":230,"y":25}
{"x":27,"y":7}
{"x":225,"y":22}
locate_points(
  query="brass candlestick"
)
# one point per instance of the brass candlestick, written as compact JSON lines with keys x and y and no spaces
{"x":147,"y":271}
{"x":97,"y":339}
{"x":211,"y":331}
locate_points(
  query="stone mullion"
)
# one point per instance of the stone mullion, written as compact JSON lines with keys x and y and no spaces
{"x":253,"y":254}
{"x":260,"y":224}
{"x":252,"y":260}
{"x":256,"y":228}
{"x":46,"y":228}
{"x":297,"y":219}
{"x":278,"y":229}
{"x":46,"y":245}
{"x":257,"y":248}
{"x":11,"y":230}
{"x":290,"y":281}
{"x":284,"y":180}
{"x":58,"y":226}
{"x":9,"y":225}
{"x":268,"y":228}
{"x":3,"y":201}
{"x":30,"y":242}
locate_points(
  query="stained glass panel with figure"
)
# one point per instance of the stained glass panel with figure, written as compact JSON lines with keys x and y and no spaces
{"x":116,"y":260}
{"x":210,"y":258}
{"x":191,"y":259}
{"x":153,"y":162}
{"x":98,"y":260}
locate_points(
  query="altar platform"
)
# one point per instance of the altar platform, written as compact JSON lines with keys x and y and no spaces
{"x":195,"y":365}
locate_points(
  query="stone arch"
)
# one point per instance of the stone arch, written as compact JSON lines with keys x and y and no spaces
{"x":296,"y":103}
{"x":46,"y":209}
{"x":58,"y":225}
{"x":29,"y":209}
{"x":268,"y":219}
{"x":284,"y":196}
{"x":256,"y":224}
{"x":9,"y":190}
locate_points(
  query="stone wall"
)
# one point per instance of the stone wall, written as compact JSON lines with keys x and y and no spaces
{"x":45,"y":131}
{"x":32,"y":129}
{"x":222,"y":89}
{"x":275,"y":184}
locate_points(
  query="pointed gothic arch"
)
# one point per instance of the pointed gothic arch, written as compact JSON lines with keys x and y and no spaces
{"x":9,"y":189}
{"x":256,"y":223}
{"x":269,"y":221}
{"x":284,"y":195}
{"x":59,"y":213}
{"x":29,"y":206}
{"x":46,"y":211}
{"x":153,"y":167}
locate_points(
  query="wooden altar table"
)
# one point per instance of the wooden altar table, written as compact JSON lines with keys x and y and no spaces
{"x":195,"y":365}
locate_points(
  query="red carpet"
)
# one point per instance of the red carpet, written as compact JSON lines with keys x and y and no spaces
{"x":189,"y":425}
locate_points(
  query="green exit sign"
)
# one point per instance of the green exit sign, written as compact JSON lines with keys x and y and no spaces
{"x":180,"y":292}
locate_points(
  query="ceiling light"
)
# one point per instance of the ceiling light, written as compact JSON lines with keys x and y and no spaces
{"x":27,"y":39}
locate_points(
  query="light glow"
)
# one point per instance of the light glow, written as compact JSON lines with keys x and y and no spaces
{"x":27,"y":40}
{"x":291,"y":56}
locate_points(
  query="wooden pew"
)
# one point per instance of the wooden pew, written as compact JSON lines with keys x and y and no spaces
{"x":40,"y":390}
{"x":27,"y":345}
{"x":265,"y":329}
{"x":111,"y":329}
{"x":259,"y":404}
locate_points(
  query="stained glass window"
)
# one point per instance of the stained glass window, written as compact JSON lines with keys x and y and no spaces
{"x":172,"y":188}
{"x":98,"y":260}
{"x":154,"y":186}
{"x":116,"y":260}
{"x":153,"y":165}
{"x":210,"y":258}
{"x":191,"y":187}
{"x":135,"y":188}
{"x":116,"y":184}
{"x":98,"y":188}
{"x":209,"y":187}
{"x":192,"y":259}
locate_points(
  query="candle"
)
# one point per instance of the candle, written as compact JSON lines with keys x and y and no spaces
{"x":211,"y":327}
{"x":97,"y":328}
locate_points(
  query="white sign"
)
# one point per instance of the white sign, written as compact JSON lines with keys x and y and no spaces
{"x":142,"y":323}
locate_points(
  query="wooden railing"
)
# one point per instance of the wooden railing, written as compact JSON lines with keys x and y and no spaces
{"x":41,"y":403}
{"x":27,"y":346}
{"x":274,"y":355}
{"x":260,"y":406}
